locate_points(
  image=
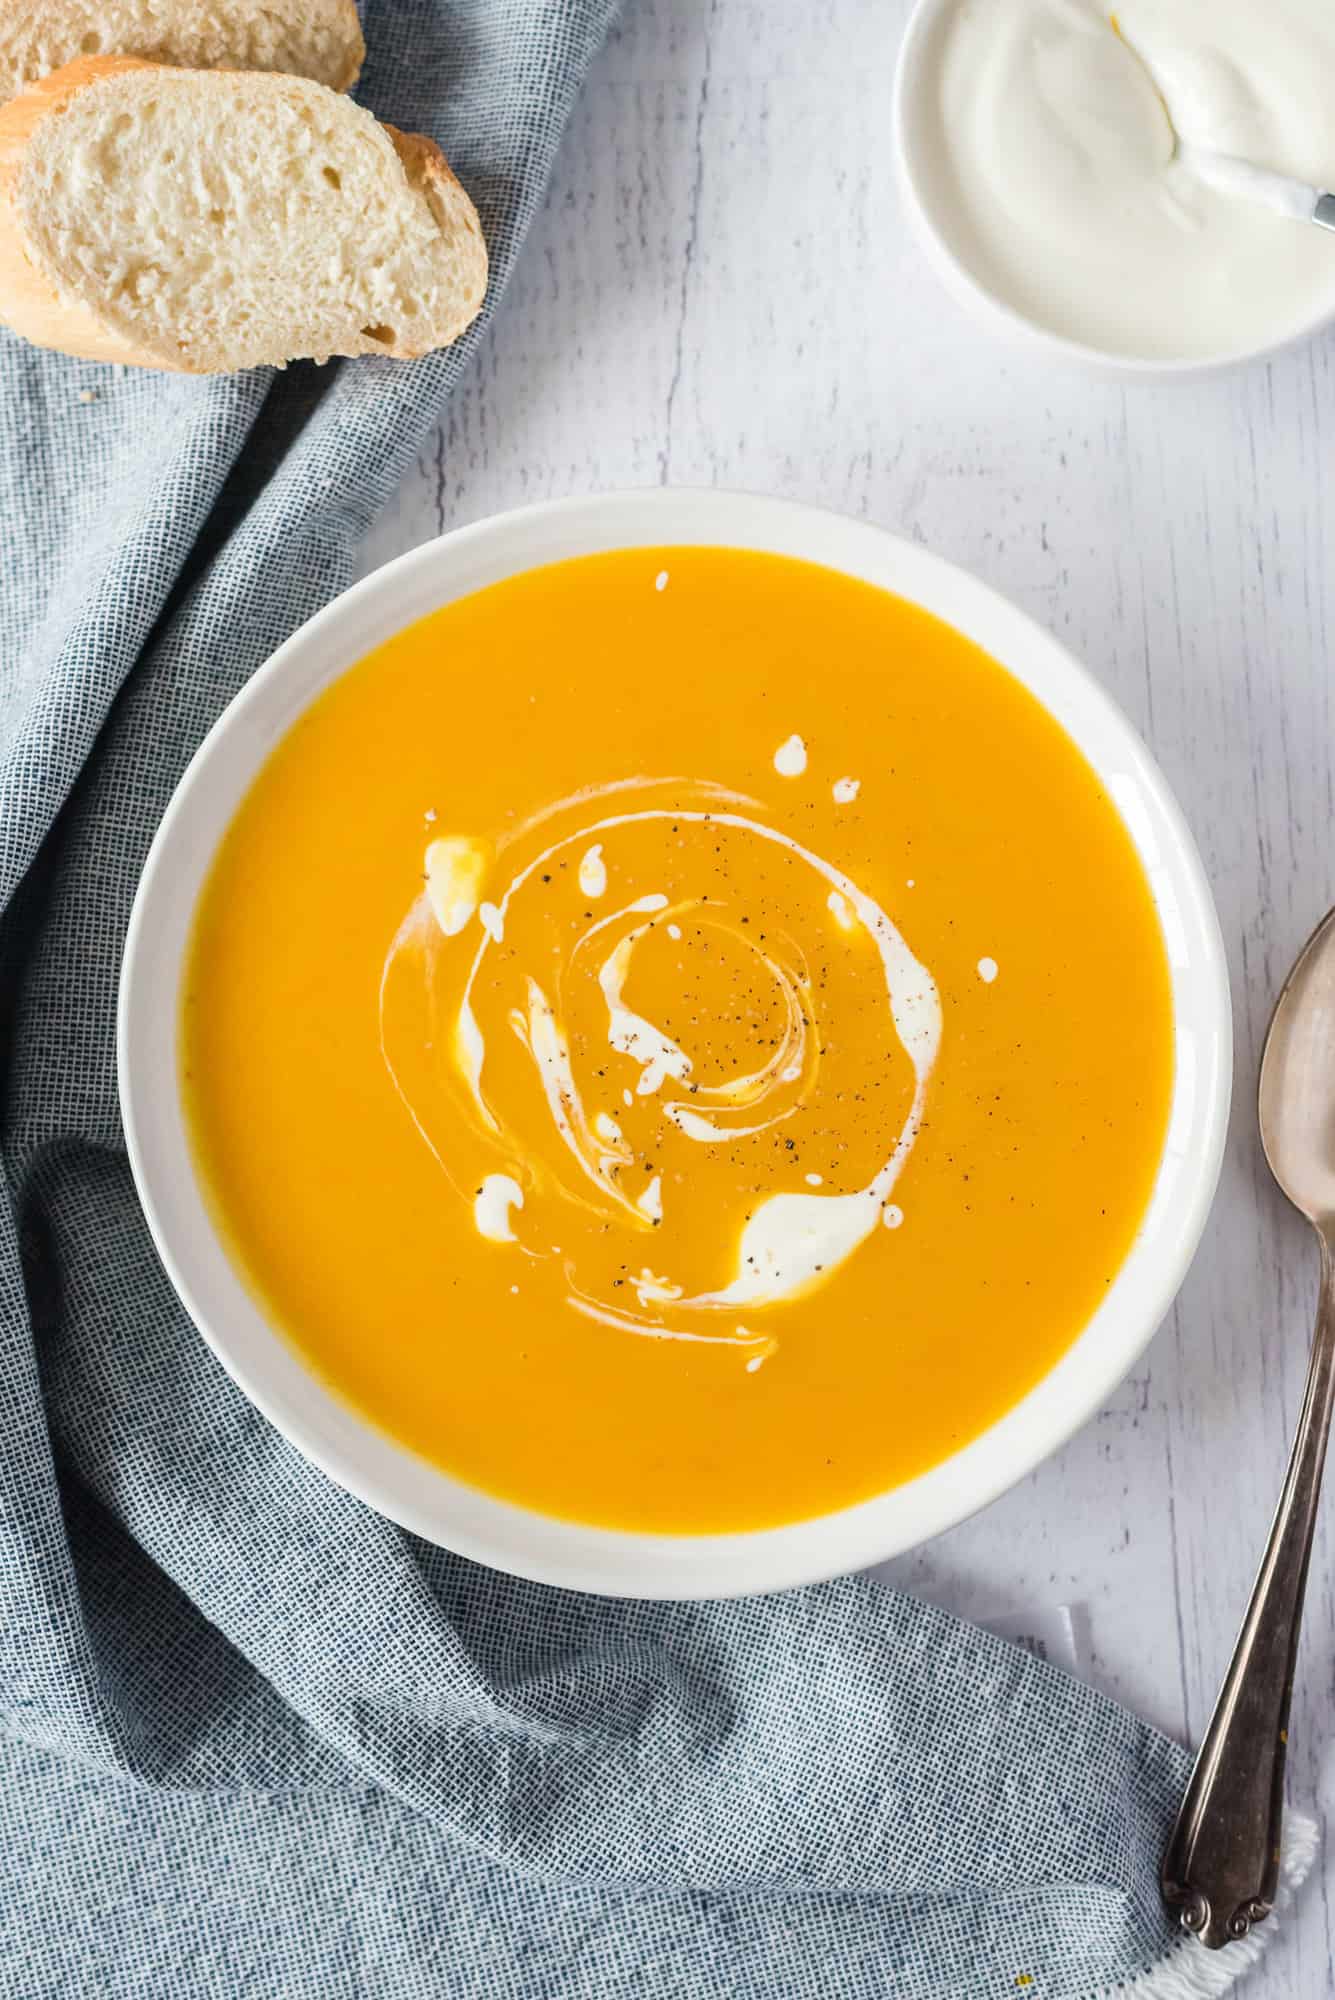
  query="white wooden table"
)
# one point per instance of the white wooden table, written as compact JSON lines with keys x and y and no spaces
{"x":722,"y":289}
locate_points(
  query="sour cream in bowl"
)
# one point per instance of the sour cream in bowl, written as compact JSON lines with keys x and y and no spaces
{"x":1045,"y":149}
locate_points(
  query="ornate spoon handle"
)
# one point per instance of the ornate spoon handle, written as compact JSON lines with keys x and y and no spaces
{"x":1221,"y":1868}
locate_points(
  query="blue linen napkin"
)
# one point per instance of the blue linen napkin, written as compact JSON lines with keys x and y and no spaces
{"x":257,"y":1740}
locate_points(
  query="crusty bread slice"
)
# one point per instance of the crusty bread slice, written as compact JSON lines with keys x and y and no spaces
{"x":208,"y":221}
{"x":321,"y":39}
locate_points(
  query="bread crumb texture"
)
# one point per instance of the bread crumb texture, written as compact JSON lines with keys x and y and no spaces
{"x":224,"y":222}
{"x":321,"y":39}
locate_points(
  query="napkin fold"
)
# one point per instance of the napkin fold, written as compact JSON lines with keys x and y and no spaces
{"x":256,"y":1739}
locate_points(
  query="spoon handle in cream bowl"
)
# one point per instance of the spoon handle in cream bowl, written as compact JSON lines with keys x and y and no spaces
{"x":1221,"y":1867}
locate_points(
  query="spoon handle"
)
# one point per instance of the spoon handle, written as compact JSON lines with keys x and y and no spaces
{"x":1221,"y":1868}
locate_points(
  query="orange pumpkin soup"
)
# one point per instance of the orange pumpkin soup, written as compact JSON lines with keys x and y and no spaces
{"x":680,"y":1038}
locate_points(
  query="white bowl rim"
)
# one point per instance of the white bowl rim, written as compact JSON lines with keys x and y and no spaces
{"x":1007,"y":321}
{"x":387,"y":1475}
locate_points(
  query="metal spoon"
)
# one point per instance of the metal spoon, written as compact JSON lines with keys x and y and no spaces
{"x":1221,"y":1868}
{"x":1247,"y":182}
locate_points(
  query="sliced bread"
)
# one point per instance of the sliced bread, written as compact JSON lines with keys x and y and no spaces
{"x":321,"y":39}
{"x":208,"y":221}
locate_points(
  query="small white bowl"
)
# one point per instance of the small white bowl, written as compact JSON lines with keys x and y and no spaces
{"x":371,"y":1464}
{"x":912,"y":95}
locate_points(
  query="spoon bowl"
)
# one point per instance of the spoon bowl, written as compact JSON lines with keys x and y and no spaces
{"x":1297,"y":1092}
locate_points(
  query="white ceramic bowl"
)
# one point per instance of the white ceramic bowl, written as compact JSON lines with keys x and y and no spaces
{"x":392,"y":1478}
{"x":928,"y":211}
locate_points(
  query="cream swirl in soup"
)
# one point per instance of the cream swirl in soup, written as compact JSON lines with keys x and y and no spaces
{"x":656,"y":997}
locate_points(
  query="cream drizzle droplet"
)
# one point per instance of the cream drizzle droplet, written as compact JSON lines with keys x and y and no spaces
{"x":498,"y":1194}
{"x":790,"y":759}
{"x":846,"y":790}
{"x":593,"y":872}
{"x":455,"y":867}
{"x":987,"y":970}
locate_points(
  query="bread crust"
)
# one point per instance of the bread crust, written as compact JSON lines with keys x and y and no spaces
{"x":356,"y":48}
{"x":34,"y":305}
{"x":427,"y":167}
